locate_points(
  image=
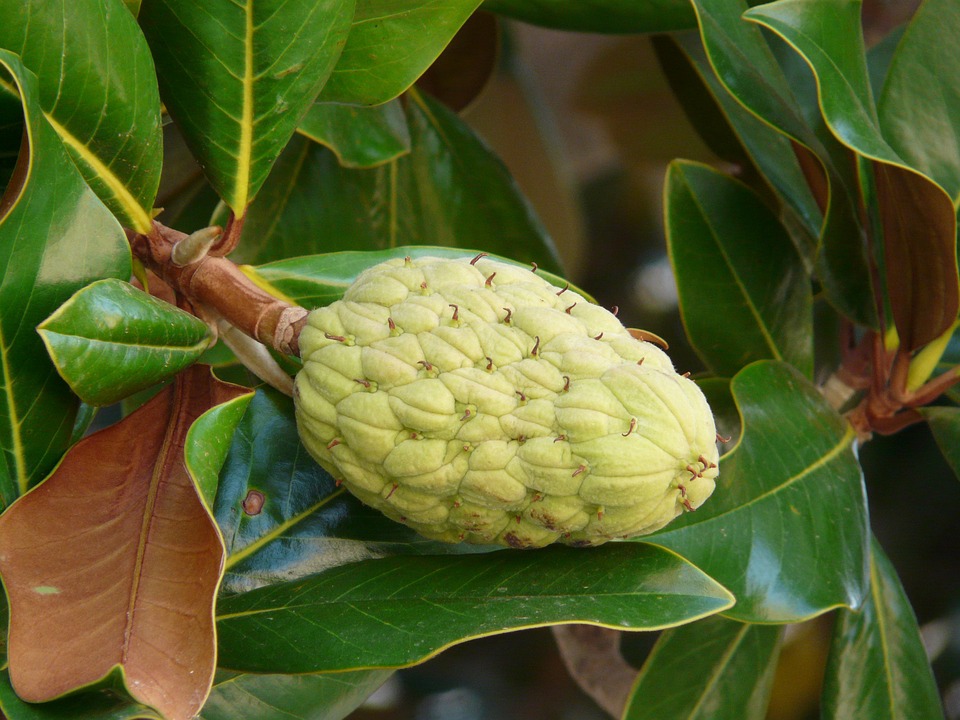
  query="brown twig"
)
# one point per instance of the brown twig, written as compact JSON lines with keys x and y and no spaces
{"x":217,"y":284}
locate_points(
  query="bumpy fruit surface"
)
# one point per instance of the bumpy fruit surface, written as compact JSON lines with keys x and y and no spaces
{"x":474,"y":401}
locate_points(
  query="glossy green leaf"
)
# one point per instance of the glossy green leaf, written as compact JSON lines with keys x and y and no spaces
{"x":208,"y":442}
{"x":761,"y":148}
{"x":302,"y":523}
{"x":99,"y":92}
{"x":917,"y":216}
{"x":110,"y":340}
{"x":749,"y":70}
{"x":735,"y":309}
{"x":55,"y":237}
{"x":291,"y":697}
{"x":600,"y":16}
{"x":726,"y":667}
{"x":316,"y":280}
{"x":724,"y":409}
{"x":945,"y":424}
{"x":450,"y":190}
{"x":877,"y":666}
{"x":401,"y":610}
{"x":240,"y":76}
{"x":919,"y":108}
{"x":95,"y":705}
{"x":361,"y":137}
{"x":786,"y":529}
{"x":879,"y":58}
{"x":390,"y":44}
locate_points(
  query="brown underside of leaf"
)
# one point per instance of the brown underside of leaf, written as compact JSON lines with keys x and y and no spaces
{"x":114,"y":561}
{"x":919,"y":240}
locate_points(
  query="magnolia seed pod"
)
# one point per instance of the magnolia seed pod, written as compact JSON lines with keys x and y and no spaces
{"x":474,"y":401}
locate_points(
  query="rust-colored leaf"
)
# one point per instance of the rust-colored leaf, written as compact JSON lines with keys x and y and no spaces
{"x":919,"y":241}
{"x":114,"y":562}
{"x":461,"y":72}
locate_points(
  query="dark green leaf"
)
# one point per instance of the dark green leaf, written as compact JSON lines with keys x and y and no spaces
{"x":402,"y":610}
{"x":450,"y":190}
{"x":945,"y":424}
{"x":749,"y":70}
{"x":749,"y":142}
{"x":735,"y":309}
{"x":317,"y":280}
{"x":602,"y":16}
{"x":361,"y":137}
{"x":94,"y":705}
{"x":879,"y":58}
{"x":877,"y":666}
{"x":919,"y":107}
{"x":726,"y":668}
{"x":725,"y":414}
{"x":55,"y":237}
{"x":786,"y":529}
{"x":110,"y":340}
{"x":98,"y":90}
{"x":390,"y":44}
{"x":240,"y":76}
{"x":291,"y":697}
{"x":917,"y":216}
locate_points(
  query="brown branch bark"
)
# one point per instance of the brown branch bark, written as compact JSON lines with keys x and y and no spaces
{"x":592,"y":657}
{"x":216,"y":283}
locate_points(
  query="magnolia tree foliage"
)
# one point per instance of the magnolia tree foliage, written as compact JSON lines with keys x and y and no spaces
{"x":192,"y":559}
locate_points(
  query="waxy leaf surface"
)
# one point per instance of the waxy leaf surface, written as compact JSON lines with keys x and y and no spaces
{"x":98,"y":90}
{"x":748,"y":69}
{"x":240,"y":76}
{"x":328,"y":696}
{"x":361,"y":137}
{"x":878,"y":667}
{"x":55,"y":237}
{"x":786,"y":529}
{"x":727,"y":669}
{"x":389,"y":46}
{"x":110,"y":340}
{"x":113,"y":562}
{"x":400,"y":610}
{"x":449,"y":190}
{"x":601,"y":16}
{"x":735,"y":309}
{"x":919,"y":106}
{"x":916,"y":214}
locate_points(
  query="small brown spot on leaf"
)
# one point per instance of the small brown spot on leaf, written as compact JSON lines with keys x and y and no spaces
{"x":253,"y":502}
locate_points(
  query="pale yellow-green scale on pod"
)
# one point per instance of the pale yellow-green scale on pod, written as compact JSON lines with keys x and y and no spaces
{"x":474,"y":401}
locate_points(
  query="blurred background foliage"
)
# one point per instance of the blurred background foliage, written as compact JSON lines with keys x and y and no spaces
{"x":587,"y":124}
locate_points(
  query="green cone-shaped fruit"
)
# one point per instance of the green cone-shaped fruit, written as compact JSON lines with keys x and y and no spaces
{"x":475,"y":401}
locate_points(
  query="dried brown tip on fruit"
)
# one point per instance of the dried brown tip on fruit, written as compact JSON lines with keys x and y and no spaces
{"x":479,"y":255}
{"x":649,"y":337}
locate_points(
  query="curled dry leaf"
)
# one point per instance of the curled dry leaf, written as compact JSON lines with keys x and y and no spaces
{"x":113,"y":562}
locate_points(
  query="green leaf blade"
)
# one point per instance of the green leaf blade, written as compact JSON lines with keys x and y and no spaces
{"x":111,"y":340}
{"x":55,"y":237}
{"x":391,"y":43}
{"x":728,"y":669}
{"x":240,"y":78}
{"x":361,"y":137}
{"x":291,"y":697}
{"x":786,"y":529}
{"x":877,"y":666}
{"x":398,"y":611}
{"x":108,"y":121}
{"x":735,"y":311}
